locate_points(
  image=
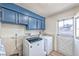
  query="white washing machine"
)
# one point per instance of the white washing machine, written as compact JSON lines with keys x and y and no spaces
{"x":33,"y":47}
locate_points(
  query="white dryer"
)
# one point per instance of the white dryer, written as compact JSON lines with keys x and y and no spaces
{"x":48,"y":44}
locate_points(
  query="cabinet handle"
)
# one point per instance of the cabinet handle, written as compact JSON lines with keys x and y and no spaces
{"x":30,"y":46}
{"x":37,"y":44}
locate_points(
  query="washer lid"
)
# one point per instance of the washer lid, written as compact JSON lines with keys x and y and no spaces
{"x":34,"y":39}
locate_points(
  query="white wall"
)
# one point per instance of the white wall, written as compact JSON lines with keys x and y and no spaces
{"x":8,"y":32}
{"x":51,"y":22}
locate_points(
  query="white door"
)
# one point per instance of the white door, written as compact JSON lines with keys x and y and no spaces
{"x":65,"y":37}
{"x":76,"y":43}
{"x":76,"y":47}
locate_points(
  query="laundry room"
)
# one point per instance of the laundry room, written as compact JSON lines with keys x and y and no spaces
{"x":39,"y":29}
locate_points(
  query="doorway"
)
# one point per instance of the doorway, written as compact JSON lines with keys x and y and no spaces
{"x":65,"y":36}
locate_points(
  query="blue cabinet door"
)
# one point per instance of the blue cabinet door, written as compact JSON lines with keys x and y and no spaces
{"x":43,"y":25}
{"x":8,"y":16}
{"x":32,"y":23}
{"x":17,"y":18}
{"x":39,"y":24}
{"x":23,"y":19}
{"x":0,"y":14}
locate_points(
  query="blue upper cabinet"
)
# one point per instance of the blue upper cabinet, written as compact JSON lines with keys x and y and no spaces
{"x":36,"y":24}
{"x":8,"y":16}
{"x":41,"y":24}
{"x":12,"y":13}
{"x":23,"y":19}
{"x":32,"y":23}
{"x":19,"y":9}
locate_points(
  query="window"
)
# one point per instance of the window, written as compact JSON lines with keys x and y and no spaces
{"x":77,"y":27}
{"x":65,"y":27}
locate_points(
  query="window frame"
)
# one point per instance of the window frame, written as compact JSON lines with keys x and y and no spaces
{"x":76,"y":27}
{"x":63,"y":25}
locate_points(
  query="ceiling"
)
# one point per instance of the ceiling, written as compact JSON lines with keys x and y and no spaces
{"x":47,"y":9}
